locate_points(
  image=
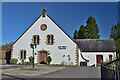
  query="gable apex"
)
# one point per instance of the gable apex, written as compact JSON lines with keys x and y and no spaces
{"x":52,"y":21}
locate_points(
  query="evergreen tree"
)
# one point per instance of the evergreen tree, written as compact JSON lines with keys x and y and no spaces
{"x":92,"y":29}
{"x":82,"y":32}
{"x":75,"y":34}
{"x":117,"y":44}
{"x":118,"y":30}
{"x":115,"y":32}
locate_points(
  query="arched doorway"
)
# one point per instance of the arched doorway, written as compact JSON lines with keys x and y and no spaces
{"x":42,"y":57}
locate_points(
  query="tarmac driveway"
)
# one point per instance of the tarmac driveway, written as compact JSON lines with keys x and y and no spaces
{"x":75,"y":72}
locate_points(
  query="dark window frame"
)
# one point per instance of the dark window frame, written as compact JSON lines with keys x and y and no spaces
{"x":50,"y":40}
{"x":23,"y":54}
{"x":36,"y":39}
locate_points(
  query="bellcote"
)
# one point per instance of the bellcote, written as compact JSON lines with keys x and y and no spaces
{"x":44,"y":11}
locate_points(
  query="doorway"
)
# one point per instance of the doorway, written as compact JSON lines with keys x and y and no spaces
{"x":42,"y":57}
{"x":99,"y":59}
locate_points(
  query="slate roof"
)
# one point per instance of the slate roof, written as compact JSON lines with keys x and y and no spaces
{"x":96,"y":45}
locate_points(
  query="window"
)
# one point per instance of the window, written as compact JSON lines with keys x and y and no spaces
{"x":63,"y":55}
{"x":43,"y":27}
{"x":50,"y":39}
{"x":100,"y":43}
{"x":23,"y":54}
{"x":110,"y":57}
{"x":36,"y":39}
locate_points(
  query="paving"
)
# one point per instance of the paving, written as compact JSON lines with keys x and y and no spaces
{"x":53,"y":72}
{"x":18,"y":73}
{"x":11,"y":66}
{"x":75,"y":72}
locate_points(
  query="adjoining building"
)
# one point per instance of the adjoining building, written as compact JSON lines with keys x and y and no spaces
{"x":52,"y":41}
{"x":95,"y":51}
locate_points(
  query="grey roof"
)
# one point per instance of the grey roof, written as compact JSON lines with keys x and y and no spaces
{"x":92,"y":45}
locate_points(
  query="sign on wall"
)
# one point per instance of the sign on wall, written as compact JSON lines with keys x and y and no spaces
{"x":62,"y":47}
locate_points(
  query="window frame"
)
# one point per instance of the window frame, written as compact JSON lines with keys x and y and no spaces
{"x":36,"y":36}
{"x":50,"y":43}
{"x":24,"y":52}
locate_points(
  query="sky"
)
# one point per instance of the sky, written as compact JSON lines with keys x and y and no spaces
{"x":18,"y":16}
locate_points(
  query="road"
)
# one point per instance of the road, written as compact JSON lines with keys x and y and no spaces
{"x":75,"y":72}
{"x":69,"y":72}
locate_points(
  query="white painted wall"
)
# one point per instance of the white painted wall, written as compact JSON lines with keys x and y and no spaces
{"x":91,"y":56}
{"x":60,"y":39}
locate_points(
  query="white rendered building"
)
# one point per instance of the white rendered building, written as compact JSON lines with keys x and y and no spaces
{"x":52,"y":41}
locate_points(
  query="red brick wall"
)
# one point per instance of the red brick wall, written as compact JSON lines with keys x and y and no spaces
{"x":3,"y":54}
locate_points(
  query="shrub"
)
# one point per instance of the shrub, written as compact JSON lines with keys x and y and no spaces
{"x":22,"y":61}
{"x":13,"y":61}
{"x":27,"y":63}
{"x":31,"y":59}
{"x":49,"y":59}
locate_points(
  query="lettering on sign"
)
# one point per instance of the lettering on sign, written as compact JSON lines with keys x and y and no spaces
{"x":62,"y":47}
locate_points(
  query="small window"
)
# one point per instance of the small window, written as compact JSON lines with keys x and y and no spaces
{"x":23,"y":54}
{"x":63,"y":55}
{"x":68,"y":55}
{"x":100,"y":43}
{"x":43,"y":27}
{"x":110,"y":57}
{"x":50,"y":39}
{"x":36,"y":39}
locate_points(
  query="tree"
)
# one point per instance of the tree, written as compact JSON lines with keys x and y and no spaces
{"x":117,"y":44}
{"x":49,"y":59}
{"x":82,"y":32}
{"x":92,"y":29}
{"x":115,"y":32}
{"x":75,"y":34}
{"x":7,"y":46}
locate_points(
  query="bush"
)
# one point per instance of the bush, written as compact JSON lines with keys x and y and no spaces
{"x":49,"y":59}
{"x":31,"y":59}
{"x":28,"y":63}
{"x":22,"y":61}
{"x":13,"y":61}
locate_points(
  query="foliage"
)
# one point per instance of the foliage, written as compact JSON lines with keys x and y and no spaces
{"x":49,"y":59}
{"x":81,"y":32}
{"x":115,"y":34}
{"x":75,"y":34}
{"x":7,"y":46}
{"x":90,"y":31}
{"x":22,"y":61}
{"x":69,"y":59}
{"x":31,"y":59}
{"x":117,"y":44}
{"x":13,"y":61}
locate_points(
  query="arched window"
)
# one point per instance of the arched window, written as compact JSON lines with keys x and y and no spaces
{"x":36,"y":39}
{"x":50,"y":39}
{"x":23,"y":54}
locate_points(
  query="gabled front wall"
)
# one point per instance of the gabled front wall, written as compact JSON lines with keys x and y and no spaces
{"x":61,"y":39}
{"x":91,"y":56}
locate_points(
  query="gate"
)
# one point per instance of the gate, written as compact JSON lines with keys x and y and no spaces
{"x":111,"y":70}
